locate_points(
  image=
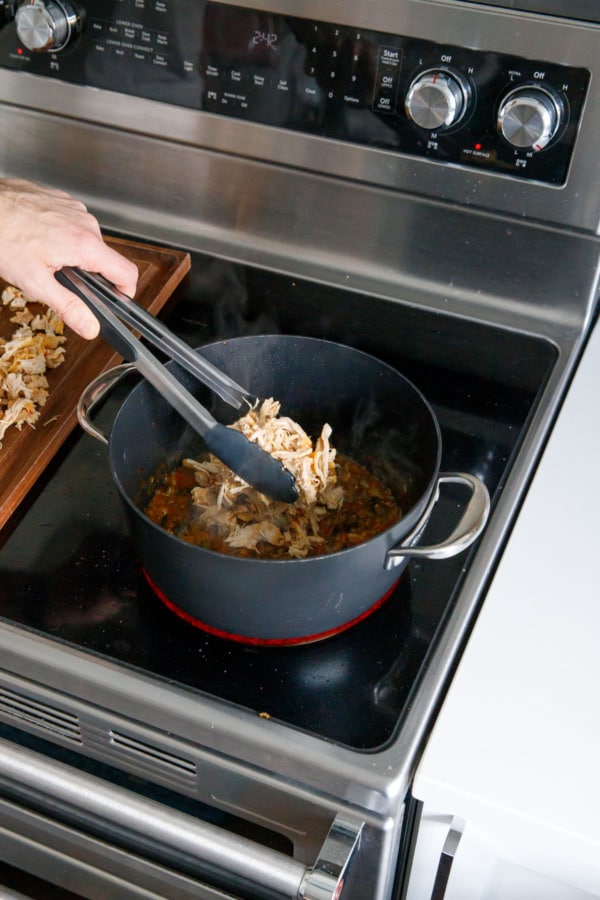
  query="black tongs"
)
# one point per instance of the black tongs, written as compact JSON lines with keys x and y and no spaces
{"x":112,"y":308}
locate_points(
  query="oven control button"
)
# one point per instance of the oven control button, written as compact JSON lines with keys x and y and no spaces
{"x":46,"y":26}
{"x":529,"y":117}
{"x":437,"y":99}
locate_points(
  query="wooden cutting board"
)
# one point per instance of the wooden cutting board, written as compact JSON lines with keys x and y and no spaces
{"x":25,"y":454}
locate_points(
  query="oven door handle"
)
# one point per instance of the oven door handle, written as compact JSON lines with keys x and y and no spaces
{"x":93,"y":805}
{"x":442,"y":875}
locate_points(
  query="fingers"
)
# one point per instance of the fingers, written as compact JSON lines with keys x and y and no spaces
{"x":44,"y":229}
{"x":94,"y":256}
{"x":100,"y":259}
{"x":72,"y":310}
{"x":116,"y":268}
{"x":44,"y":287}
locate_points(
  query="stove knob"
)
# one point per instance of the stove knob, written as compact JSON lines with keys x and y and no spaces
{"x":529,"y":117}
{"x":46,"y":26}
{"x":437,"y":99}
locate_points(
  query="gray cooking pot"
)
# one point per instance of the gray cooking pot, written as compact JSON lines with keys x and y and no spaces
{"x":378,"y":418}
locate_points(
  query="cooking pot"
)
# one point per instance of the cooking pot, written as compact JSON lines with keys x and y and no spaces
{"x":379,"y":419}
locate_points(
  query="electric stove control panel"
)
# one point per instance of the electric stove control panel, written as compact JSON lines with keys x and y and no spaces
{"x":473,"y":108}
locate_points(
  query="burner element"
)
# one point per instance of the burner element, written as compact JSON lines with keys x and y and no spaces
{"x":265,"y":642}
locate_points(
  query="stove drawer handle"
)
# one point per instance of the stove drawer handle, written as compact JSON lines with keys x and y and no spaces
{"x":94,"y":393}
{"x":79,"y":799}
{"x":325,"y":880}
{"x":469,"y":528}
{"x":446,"y":861}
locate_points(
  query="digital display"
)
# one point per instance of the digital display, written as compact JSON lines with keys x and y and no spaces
{"x":319,"y":77}
{"x":265,"y":39}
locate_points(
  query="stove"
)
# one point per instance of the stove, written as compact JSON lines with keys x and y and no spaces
{"x":366,"y":176}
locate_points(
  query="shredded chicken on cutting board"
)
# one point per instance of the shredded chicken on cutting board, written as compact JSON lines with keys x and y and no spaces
{"x":35,"y":346}
{"x":246,"y":517}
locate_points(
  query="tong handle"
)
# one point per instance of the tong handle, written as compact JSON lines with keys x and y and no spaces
{"x":124,"y":342}
{"x":247,"y":459}
{"x":161,"y":337}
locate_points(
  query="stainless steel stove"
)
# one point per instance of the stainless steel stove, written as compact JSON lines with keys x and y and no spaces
{"x":413,"y":178}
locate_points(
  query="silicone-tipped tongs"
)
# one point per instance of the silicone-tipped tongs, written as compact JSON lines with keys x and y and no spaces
{"x":112,"y":308}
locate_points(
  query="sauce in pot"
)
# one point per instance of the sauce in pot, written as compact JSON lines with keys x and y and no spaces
{"x":368,"y":508}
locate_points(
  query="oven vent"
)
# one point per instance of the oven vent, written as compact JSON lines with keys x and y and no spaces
{"x":149,"y":754}
{"x":51,"y":721}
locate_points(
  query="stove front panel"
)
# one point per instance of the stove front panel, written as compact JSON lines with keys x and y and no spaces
{"x":460,"y":102}
{"x":488,"y":111}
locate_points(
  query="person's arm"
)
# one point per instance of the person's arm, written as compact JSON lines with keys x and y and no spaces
{"x":42,"y":230}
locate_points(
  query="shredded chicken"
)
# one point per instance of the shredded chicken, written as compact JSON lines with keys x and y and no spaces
{"x":244,"y":516}
{"x":35,"y":346}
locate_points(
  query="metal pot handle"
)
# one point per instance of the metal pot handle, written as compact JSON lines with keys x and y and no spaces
{"x":94,"y":393}
{"x":469,"y":528}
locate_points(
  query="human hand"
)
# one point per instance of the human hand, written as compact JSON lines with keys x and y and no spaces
{"x":42,"y":230}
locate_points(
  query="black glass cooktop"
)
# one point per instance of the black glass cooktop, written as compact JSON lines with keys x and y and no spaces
{"x":69,"y":571}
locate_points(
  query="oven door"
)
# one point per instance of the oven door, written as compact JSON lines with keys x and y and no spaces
{"x":97,"y":840}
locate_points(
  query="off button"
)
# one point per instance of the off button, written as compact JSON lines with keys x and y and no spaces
{"x":385,"y":96}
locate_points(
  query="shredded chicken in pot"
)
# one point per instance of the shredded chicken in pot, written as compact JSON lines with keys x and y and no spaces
{"x":35,"y":346}
{"x":247,"y":517}
{"x":339,"y":503}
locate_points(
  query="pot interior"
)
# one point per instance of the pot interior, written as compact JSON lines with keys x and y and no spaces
{"x":378,"y":417}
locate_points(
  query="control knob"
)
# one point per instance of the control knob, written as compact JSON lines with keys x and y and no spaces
{"x":46,"y":26}
{"x":529,"y":117}
{"x":437,"y":99}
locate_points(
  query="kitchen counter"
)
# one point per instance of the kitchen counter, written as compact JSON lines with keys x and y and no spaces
{"x":515,"y":751}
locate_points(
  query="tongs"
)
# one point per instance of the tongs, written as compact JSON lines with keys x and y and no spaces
{"x":113,"y":309}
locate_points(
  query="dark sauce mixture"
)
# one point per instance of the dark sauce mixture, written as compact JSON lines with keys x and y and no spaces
{"x":368,"y":509}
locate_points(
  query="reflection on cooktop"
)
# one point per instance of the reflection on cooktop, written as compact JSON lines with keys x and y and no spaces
{"x":348,"y":688}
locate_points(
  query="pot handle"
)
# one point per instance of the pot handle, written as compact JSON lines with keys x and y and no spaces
{"x":94,"y":393}
{"x":469,"y":528}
